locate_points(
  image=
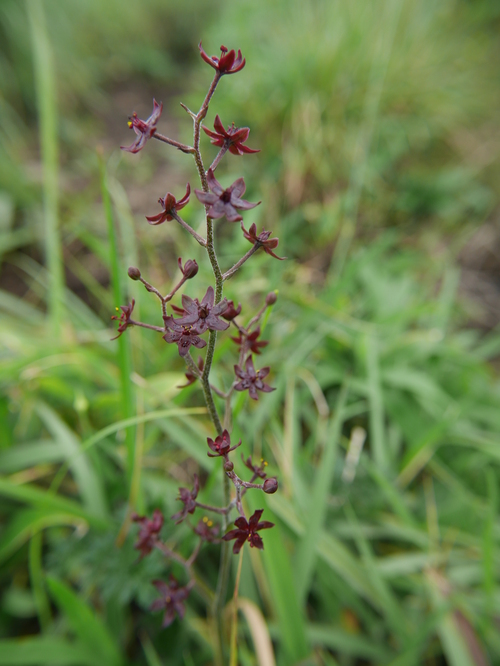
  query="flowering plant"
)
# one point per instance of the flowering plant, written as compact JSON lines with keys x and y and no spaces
{"x":197,"y":324}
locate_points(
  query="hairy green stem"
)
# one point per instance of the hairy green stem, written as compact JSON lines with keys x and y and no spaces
{"x":225,"y":561}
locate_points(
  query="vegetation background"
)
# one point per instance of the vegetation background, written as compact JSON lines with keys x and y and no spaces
{"x":379,"y":129}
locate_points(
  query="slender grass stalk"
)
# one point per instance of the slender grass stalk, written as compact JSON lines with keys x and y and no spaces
{"x":46,"y":95}
{"x":124,"y":351}
{"x":233,"y":659}
{"x":320,"y":493}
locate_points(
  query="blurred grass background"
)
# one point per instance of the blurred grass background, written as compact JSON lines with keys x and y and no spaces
{"x":379,"y":129}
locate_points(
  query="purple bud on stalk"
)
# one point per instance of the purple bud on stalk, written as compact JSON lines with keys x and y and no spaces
{"x":134,"y":273}
{"x":270,"y":485}
{"x":271,"y":298}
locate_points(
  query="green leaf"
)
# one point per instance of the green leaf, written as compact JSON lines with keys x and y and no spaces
{"x":45,"y":651}
{"x":28,"y":522}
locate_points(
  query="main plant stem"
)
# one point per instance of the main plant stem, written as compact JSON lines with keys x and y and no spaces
{"x":225,"y":563}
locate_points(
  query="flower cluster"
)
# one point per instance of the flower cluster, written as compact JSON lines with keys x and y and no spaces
{"x":196,"y":322}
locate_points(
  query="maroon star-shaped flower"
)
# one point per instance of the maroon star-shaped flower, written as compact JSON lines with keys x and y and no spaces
{"x":257,"y":470}
{"x":231,"y":311}
{"x":171,"y":600}
{"x":207,"y":531}
{"x":205,"y":315}
{"x":221,"y":446}
{"x":228,"y":63}
{"x":188,"y":498}
{"x":247,"y":531}
{"x":250,"y":342}
{"x":267,"y":244}
{"x":183,"y":336}
{"x":233,"y":138}
{"x":251,"y":379}
{"x":124,"y":318}
{"x":143,"y":128}
{"x":170,"y":205}
{"x":148,"y":533}
{"x":224,"y":202}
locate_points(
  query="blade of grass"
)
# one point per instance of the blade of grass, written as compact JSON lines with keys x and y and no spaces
{"x":150,"y":653}
{"x":346,"y":643}
{"x":281,"y":580}
{"x":378,"y":441}
{"x":306,"y":550}
{"x":124,"y":349}
{"x":387,"y":600}
{"x":88,"y":481}
{"x":36,"y":580}
{"x":28,"y":522}
{"x":42,"y":499}
{"x":88,"y":628}
{"x":359,"y":170}
{"x":489,"y":549}
{"x":259,"y":631}
{"x":45,"y":81}
{"x":121,"y":425}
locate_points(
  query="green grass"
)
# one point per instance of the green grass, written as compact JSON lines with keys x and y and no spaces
{"x":379,"y":161}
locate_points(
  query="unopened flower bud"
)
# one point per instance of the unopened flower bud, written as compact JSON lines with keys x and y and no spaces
{"x":134,"y":273}
{"x":271,"y":298}
{"x":270,"y":485}
{"x":190,"y":268}
{"x":228,"y":466}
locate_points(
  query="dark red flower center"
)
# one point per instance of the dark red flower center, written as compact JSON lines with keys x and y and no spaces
{"x":226,"y":196}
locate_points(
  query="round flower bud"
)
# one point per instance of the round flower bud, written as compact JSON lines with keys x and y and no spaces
{"x":228,"y":466}
{"x":134,"y":273}
{"x":190,"y":269}
{"x":271,"y":298}
{"x":270,"y":485}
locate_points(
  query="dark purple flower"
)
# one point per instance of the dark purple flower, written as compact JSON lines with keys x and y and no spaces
{"x":188,"y":498}
{"x":252,"y":380}
{"x":190,"y":376}
{"x":143,"y":128}
{"x":267,"y":244}
{"x":204,"y":315}
{"x":170,"y":205}
{"x":183,"y":336}
{"x":148,"y":534}
{"x":250,"y":342}
{"x":247,"y":531}
{"x":224,"y":202}
{"x":124,"y":318}
{"x":228,"y":63}
{"x":177,"y":310}
{"x":207,"y":531}
{"x":171,"y":600}
{"x":221,"y":446}
{"x":233,"y":138}
{"x":231,"y":311}
{"x":190,"y":268}
{"x":257,"y":470}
